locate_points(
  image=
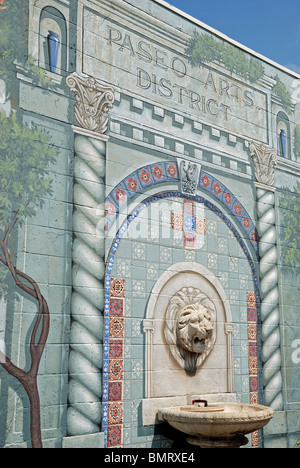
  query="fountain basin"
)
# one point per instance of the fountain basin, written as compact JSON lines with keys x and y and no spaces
{"x":219,"y":425}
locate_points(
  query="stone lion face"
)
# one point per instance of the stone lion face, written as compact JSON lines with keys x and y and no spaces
{"x":194,"y":328}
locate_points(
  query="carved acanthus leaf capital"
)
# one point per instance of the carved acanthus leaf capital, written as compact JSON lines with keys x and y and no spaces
{"x":92,"y":102}
{"x":265,"y":159}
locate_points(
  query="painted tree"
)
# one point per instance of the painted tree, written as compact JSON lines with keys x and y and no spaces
{"x":290,"y":240}
{"x":25,"y":155}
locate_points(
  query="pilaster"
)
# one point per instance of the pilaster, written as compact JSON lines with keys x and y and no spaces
{"x":265,"y":160}
{"x":92,"y":102}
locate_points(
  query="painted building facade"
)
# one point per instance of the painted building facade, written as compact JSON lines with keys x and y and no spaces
{"x":171,"y":169}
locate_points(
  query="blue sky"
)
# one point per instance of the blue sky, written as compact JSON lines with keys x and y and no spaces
{"x":269,"y":27}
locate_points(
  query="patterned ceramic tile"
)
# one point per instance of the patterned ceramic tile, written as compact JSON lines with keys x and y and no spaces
{"x":172,"y":171}
{"x":115,"y":391}
{"x":116,"y":369}
{"x":188,"y":207}
{"x":132,"y":185}
{"x":145,"y":177}
{"x":117,"y":306}
{"x":114,"y":436}
{"x":251,"y":299}
{"x":252,"y":332}
{"x":117,"y":287}
{"x":177,"y":221}
{"x":189,"y":240}
{"x":116,"y":349}
{"x":113,"y":365}
{"x":200,"y":225}
{"x":116,"y":327}
{"x":190,"y":224}
{"x":115,"y":413}
{"x":253,"y":365}
{"x":253,"y":356}
{"x":255,"y":439}
{"x":253,"y":384}
{"x":120,"y":195}
{"x":217,"y":189}
{"x":158,"y":172}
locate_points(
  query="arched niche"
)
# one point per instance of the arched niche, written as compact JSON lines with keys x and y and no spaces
{"x":283,"y":130}
{"x":51,"y":19}
{"x":164,"y":377}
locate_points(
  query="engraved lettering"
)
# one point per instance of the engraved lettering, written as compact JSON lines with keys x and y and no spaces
{"x":144,"y":79}
{"x":226,"y":109}
{"x":210,"y":82}
{"x":114,"y":36}
{"x":195,"y":98}
{"x":178,"y":67}
{"x":143,"y":53}
{"x":224,"y":87}
{"x":154,"y":84}
{"x":237,"y":91}
{"x":209,"y":93}
{"x":165,"y":89}
{"x":181,"y":90}
{"x":212,"y":111}
{"x":127,"y":44}
{"x":160,"y":58}
{"x":249,"y":98}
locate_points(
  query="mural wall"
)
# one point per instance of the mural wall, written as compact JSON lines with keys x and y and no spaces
{"x":137,"y":145}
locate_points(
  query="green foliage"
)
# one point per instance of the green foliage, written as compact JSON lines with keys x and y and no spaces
{"x":290,"y":207}
{"x":25,"y":151}
{"x":37,"y":74}
{"x":283,"y":94}
{"x":25,"y":154}
{"x":13,"y":47}
{"x":203,"y":48}
{"x":11,"y":39}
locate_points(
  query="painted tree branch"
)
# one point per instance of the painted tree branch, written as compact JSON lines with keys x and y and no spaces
{"x":28,"y":379}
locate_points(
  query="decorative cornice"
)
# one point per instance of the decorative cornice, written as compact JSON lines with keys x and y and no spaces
{"x":93,"y":101}
{"x":264,"y":161}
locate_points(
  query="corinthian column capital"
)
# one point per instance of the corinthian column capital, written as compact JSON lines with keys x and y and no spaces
{"x":92,"y":102}
{"x":265,"y":159}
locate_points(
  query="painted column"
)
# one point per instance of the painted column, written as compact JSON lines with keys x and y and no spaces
{"x":264,"y":161}
{"x":229,"y":330}
{"x":88,"y":269}
{"x":148,"y":327}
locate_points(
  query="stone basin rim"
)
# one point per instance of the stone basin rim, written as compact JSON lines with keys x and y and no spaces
{"x":257,"y":413}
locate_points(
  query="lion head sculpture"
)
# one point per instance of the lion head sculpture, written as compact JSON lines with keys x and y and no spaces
{"x":190,"y":328}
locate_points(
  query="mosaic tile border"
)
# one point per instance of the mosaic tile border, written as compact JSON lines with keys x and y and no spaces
{"x":114,"y":380}
{"x":113,"y":368}
{"x":166,"y":172}
{"x":252,"y":328}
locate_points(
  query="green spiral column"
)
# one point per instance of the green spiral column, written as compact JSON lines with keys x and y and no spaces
{"x":86,"y":335}
{"x":88,"y":256}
